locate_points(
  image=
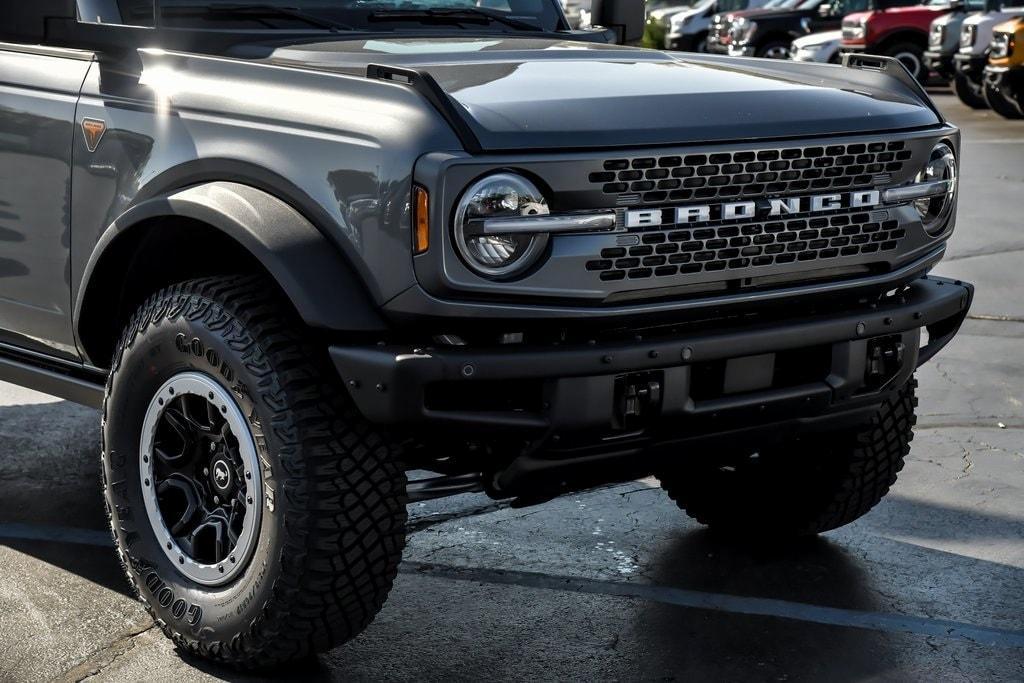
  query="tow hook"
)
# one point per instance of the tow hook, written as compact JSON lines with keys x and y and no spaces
{"x":637,"y":399}
{"x":885,"y":358}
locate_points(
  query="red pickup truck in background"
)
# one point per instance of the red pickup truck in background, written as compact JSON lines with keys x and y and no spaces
{"x":894,"y":28}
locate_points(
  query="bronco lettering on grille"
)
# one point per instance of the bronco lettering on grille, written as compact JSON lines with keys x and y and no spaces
{"x":701,"y":213}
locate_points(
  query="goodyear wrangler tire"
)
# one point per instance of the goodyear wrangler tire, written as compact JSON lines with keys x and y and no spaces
{"x":801,"y":487}
{"x":257,"y":515}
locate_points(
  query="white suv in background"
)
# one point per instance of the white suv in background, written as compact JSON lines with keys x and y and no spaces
{"x":817,"y":47}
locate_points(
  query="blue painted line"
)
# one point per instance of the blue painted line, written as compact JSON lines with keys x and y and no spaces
{"x":55,"y":534}
{"x":734,"y":604}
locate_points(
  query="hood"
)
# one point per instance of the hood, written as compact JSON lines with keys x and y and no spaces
{"x":783,"y":14}
{"x":932,"y":10}
{"x":521,"y":93}
{"x":732,"y":16}
{"x":818,"y":38}
{"x":682,"y":11}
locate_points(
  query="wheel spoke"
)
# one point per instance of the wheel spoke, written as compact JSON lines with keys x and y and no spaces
{"x":179,"y":502}
{"x":209,"y":540}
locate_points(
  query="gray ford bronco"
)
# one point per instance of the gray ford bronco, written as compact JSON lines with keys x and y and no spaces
{"x":294,"y":250}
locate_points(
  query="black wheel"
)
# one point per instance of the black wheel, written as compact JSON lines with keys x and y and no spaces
{"x":700,"y":42}
{"x":773,"y":50}
{"x":801,"y":487}
{"x":257,"y":515}
{"x":969,"y":91}
{"x":912,"y":57}
{"x":1001,"y":104}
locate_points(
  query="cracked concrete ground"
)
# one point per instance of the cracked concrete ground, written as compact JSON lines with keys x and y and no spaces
{"x":616,"y":583}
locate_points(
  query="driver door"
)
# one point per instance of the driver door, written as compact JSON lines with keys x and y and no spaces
{"x":39,"y":88}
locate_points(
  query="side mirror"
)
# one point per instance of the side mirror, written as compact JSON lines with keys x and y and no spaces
{"x":825,"y":10}
{"x":626,"y":17}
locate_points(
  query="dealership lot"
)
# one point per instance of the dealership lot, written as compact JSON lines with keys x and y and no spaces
{"x":616,"y":583}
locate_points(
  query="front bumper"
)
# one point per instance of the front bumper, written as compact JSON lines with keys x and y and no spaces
{"x":1002,"y":77}
{"x":940,"y":62}
{"x":749,"y":373}
{"x":742,"y":50}
{"x":683,"y":42}
{"x":970,"y":65}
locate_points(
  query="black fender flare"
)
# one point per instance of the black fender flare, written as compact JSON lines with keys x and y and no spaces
{"x":308,"y":267}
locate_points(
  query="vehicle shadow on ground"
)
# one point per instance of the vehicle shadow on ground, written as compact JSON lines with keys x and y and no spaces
{"x":709,"y":644}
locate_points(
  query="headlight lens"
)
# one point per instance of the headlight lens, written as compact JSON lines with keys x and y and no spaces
{"x":937,"y":35}
{"x":679,"y":21}
{"x":1000,"y":46}
{"x":504,"y":195}
{"x":935,"y":211}
{"x":855,"y":30}
{"x":968,"y":35}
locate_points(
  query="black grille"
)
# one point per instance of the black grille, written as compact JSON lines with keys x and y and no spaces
{"x":756,"y":173}
{"x":739,"y":246}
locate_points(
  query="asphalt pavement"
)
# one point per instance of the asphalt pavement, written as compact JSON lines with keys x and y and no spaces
{"x":616,"y":583}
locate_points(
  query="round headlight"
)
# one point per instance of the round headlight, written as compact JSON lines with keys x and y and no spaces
{"x":489,"y":252}
{"x":935,"y":211}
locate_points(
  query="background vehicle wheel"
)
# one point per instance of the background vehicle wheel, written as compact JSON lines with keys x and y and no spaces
{"x":774,"y":50}
{"x":801,"y":487}
{"x":911,"y":56}
{"x":1001,"y":104}
{"x":700,"y":42}
{"x":258,"y":516}
{"x":970,"y":93}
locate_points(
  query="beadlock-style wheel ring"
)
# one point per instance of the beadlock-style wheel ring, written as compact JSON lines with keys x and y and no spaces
{"x":200,"y":479}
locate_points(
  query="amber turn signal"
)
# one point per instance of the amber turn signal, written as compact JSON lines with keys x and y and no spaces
{"x":421,"y":220}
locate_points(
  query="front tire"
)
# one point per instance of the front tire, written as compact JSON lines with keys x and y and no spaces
{"x":970,"y":93}
{"x":774,"y":50}
{"x":911,"y":56}
{"x":801,"y":487}
{"x":218,"y":413}
{"x":1001,"y":104}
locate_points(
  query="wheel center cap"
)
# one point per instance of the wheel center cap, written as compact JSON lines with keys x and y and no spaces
{"x":220,"y":476}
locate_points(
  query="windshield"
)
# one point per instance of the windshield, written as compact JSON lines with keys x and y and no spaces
{"x":331,"y":15}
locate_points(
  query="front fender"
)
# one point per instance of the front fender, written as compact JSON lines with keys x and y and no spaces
{"x":311,"y":271}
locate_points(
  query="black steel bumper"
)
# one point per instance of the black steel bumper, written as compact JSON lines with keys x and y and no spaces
{"x":970,"y":65}
{"x":762,"y":372}
{"x":1001,"y":77}
{"x":939,"y":62}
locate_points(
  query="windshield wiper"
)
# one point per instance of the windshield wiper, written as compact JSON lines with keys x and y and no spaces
{"x":455,"y":16}
{"x":254,"y":11}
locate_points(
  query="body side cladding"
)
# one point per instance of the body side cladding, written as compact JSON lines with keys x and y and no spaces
{"x":310,"y":270}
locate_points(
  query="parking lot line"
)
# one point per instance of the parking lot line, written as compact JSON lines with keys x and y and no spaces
{"x":735,"y":604}
{"x":57,"y":534}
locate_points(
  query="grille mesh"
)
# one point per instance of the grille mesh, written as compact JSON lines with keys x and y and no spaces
{"x":672,"y":251}
{"x":755,"y":173}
